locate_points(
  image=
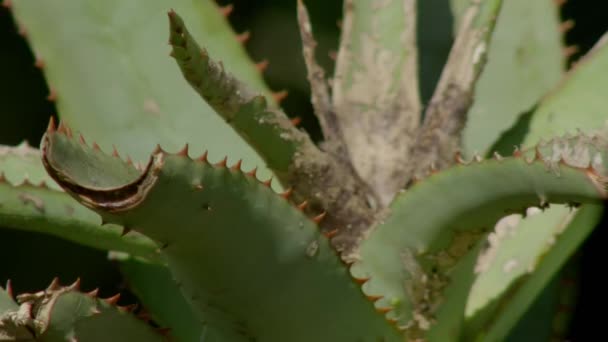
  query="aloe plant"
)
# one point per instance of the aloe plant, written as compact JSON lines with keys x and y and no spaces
{"x":404,"y":223}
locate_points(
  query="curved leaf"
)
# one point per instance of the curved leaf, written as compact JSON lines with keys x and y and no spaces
{"x":250,"y":264}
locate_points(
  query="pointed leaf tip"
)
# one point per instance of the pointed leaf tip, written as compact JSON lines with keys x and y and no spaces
{"x":54,"y":285}
{"x":222,"y":163}
{"x":9,"y":288}
{"x":302,"y":205}
{"x":51,"y":128}
{"x":262,"y":65}
{"x":237,"y":166}
{"x":184,"y":151}
{"x":243,"y":37}
{"x":75,"y":286}
{"x":113,"y":299}
{"x":227,"y":10}
{"x":203,"y":157}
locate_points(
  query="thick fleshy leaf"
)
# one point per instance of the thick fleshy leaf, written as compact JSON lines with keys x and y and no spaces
{"x":472,"y":198}
{"x":162,"y":298}
{"x":525,"y":61}
{"x":60,"y":314}
{"x":440,"y":135}
{"x":375,"y":90}
{"x":532,"y":284}
{"x":250,"y":264}
{"x":30,"y":200}
{"x":578,"y":102}
{"x":107,"y":65}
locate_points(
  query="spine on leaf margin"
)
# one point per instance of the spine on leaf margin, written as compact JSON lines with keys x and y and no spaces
{"x":327,"y":183}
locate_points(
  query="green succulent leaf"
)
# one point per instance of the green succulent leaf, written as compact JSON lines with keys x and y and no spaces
{"x":552,"y":116}
{"x":525,"y":61}
{"x":440,"y":135}
{"x":579,"y":92}
{"x":421,"y":254}
{"x":250,"y":264}
{"x":161,"y":297}
{"x":376,"y":101}
{"x":268,"y":130}
{"x":30,"y":200}
{"x":65,"y":314}
{"x":528,"y":288}
{"x":108,"y":68}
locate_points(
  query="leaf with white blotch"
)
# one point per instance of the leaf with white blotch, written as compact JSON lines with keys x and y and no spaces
{"x":472,"y":198}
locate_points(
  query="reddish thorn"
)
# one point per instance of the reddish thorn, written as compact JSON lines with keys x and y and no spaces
{"x":374,"y":298}
{"x":22,"y":31}
{"x":93,"y":293}
{"x":2,"y":177}
{"x":333,"y":55}
{"x":39,"y":63}
{"x":568,"y":51}
{"x":9,"y":288}
{"x":54,"y":285}
{"x":384,"y":310}
{"x":115,"y":152}
{"x":184,"y":151}
{"x":317,"y":219}
{"x":361,"y":281}
{"x":279,"y":96}
{"x":268,"y":183}
{"x":203,"y":157}
{"x":222,"y":163}
{"x":243,"y":37}
{"x":61,"y":128}
{"x":566,"y":26}
{"x":7,"y":3}
{"x":237,"y":166}
{"x":287,"y":193}
{"x":68,"y":131}
{"x":330,"y":234}
{"x":128,"y":308}
{"x":517,"y":153}
{"x":226,"y":10}
{"x":51,"y":127}
{"x":75,"y":285}
{"x":559,"y":2}
{"x":302,"y":205}
{"x":52,"y":96}
{"x":129,"y":160}
{"x":113,"y":300}
{"x":81,"y":139}
{"x":296,"y":120}
{"x":262,"y":65}
{"x":95,"y":147}
{"x":253,"y":172}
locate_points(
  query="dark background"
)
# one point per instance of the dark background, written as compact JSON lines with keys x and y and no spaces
{"x":32,"y":260}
